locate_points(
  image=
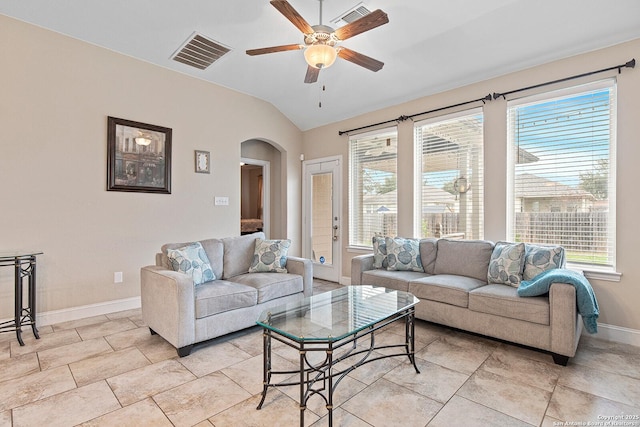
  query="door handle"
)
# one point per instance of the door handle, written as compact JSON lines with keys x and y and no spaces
{"x":335,"y":232}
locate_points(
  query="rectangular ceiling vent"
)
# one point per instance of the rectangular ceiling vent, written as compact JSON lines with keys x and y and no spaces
{"x":199,"y":51}
{"x":356,"y":12}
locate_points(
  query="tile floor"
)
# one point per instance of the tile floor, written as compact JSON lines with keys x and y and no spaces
{"x":109,"y":371}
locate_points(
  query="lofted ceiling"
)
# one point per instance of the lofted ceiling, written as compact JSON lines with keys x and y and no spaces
{"x":428,"y":45}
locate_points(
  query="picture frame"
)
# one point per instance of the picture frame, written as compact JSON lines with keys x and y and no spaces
{"x":202,"y":161}
{"x":138,"y":157}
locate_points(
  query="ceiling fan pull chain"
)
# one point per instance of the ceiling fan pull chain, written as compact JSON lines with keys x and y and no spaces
{"x":320,"y":97}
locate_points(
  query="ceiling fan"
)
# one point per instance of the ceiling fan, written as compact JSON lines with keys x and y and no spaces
{"x":321,"y":41}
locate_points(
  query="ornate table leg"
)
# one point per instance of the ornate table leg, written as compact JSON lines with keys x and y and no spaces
{"x":330,"y":385}
{"x":266,"y":364}
{"x":18,"y":300}
{"x":303,"y":384}
{"x":32,"y":295}
{"x":410,"y":336}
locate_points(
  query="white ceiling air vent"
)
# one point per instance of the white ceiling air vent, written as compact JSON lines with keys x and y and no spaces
{"x":356,"y":12}
{"x":199,"y":51}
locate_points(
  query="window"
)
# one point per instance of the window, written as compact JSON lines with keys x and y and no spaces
{"x":562,"y":169}
{"x":373,"y":195}
{"x":449,"y":176}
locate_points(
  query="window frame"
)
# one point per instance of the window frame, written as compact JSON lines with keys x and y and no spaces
{"x":418,"y":172}
{"x":353,"y":219}
{"x":596,"y":271}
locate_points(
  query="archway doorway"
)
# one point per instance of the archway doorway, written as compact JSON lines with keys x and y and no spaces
{"x":255,"y":196}
{"x":262,"y":197}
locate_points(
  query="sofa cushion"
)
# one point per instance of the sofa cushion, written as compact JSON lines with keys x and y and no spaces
{"x":191,"y":260}
{"x":270,"y":256}
{"x":238,"y":253}
{"x":215,"y":252}
{"x":398,"y":280}
{"x":220,"y":296}
{"x":271,"y":285}
{"x":504,"y":301}
{"x":506,"y":264}
{"x":403,"y":254}
{"x":379,"y":252}
{"x":540,"y":258}
{"x":447,"y":288}
{"x":428,"y":252}
{"x":464,"y":258}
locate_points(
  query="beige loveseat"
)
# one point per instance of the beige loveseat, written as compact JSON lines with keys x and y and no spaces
{"x":184,"y":314}
{"x":454,"y":291}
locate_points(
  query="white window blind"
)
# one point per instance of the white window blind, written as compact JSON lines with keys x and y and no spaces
{"x":449,"y":176}
{"x":373,"y":207}
{"x":562,"y":169}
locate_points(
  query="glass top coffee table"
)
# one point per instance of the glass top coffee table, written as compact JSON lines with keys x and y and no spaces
{"x":332,"y":323}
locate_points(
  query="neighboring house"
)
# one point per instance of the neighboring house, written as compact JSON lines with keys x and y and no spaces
{"x":533,"y":195}
{"x":435,"y":200}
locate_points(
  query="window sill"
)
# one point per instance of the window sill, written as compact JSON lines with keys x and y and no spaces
{"x":609,"y":275}
{"x":359,"y":250}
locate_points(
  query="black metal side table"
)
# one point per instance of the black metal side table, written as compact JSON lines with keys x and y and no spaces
{"x":24,"y":263}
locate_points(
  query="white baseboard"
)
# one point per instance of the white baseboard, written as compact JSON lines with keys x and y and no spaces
{"x":616,"y":334}
{"x":80,"y":312}
{"x":345,"y":280}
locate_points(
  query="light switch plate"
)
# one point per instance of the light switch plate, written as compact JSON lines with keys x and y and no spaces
{"x":222,"y":201}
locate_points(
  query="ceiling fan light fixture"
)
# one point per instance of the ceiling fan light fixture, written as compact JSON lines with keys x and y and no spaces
{"x":320,"y":55}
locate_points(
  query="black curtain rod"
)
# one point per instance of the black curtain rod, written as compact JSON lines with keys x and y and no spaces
{"x":403,"y":118}
{"x":630,"y":64}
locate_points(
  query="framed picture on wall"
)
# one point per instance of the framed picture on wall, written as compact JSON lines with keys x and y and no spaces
{"x":203,"y":161}
{"x":138,"y":157}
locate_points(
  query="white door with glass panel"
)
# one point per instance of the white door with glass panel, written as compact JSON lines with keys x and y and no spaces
{"x":321,"y":235}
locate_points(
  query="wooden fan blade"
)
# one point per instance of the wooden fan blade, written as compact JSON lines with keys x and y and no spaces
{"x":292,"y":15}
{"x":273,"y":49}
{"x":366,"y":23}
{"x":312,"y":74}
{"x":360,"y":59}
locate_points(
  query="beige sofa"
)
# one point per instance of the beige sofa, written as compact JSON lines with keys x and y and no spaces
{"x":453,"y":291}
{"x":184,"y":314}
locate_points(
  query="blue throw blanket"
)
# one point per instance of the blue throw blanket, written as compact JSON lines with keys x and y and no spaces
{"x":586,"y":299}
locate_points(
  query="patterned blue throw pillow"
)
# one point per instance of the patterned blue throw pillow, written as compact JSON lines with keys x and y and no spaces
{"x":403,"y":254}
{"x":540,"y":258}
{"x":270,"y":256}
{"x":379,"y":252}
{"x":506,"y":264}
{"x":192,"y":260}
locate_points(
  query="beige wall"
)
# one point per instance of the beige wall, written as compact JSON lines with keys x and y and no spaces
{"x":56,"y":95}
{"x":619,"y":302}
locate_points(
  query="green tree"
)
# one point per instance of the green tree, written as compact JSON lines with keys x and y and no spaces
{"x":449,"y":187}
{"x":388,"y":185}
{"x":596,"y":181}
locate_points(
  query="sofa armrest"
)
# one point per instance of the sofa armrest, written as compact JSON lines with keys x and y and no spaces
{"x":564,"y":320}
{"x":360,"y":264}
{"x":168,"y":304}
{"x":304,"y":268}
{"x":159,"y":260}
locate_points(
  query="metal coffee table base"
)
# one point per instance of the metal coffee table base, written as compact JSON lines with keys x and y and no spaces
{"x":323,"y":377}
